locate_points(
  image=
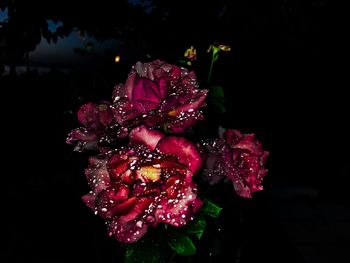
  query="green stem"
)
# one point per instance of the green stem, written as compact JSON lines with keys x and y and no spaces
{"x":211,"y":65}
{"x":172,"y":257}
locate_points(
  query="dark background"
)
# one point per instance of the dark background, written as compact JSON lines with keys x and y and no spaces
{"x":283,"y":80}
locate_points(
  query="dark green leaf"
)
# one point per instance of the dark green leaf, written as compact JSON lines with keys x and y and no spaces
{"x":210,"y":209}
{"x":217,"y":92}
{"x":196,"y":227}
{"x":217,"y":97}
{"x":181,"y":244}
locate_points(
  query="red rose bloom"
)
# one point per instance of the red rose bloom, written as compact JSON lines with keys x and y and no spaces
{"x":159,"y":95}
{"x":146,"y":183}
{"x":239,"y":158}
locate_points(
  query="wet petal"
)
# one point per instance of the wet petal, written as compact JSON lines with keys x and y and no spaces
{"x":86,"y":113}
{"x":127,"y":232}
{"x":97,"y":174}
{"x":193,"y":104}
{"x":104,"y":114}
{"x":146,"y":92}
{"x":179,"y":210}
{"x":185,"y":150}
{"x":111,"y":202}
{"x":136,"y":210}
{"x":249,"y":143}
{"x":129,"y":85}
{"x":89,"y":200}
{"x":118,"y":165}
{"x":143,"y":135}
{"x":81,"y":134}
{"x":152,"y":91}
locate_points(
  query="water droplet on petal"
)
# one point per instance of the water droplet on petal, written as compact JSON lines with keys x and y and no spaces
{"x":139,"y":224}
{"x":150,"y":219}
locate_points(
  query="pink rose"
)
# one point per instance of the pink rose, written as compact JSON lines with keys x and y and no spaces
{"x":240,"y":158}
{"x":159,"y":95}
{"x":145,"y":183}
{"x":98,"y":126}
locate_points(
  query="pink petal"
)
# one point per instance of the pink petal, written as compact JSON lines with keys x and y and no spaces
{"x":81,"y":134}
{"x":163,"y":87}
{"x":118,"y":92}
{"x":249,"y":143}
{"x":177,"y":211}
{"x":104,"y":114}
{"x":241,"y":189}
{"x":108,"y":203}
{"x":137,"y":209}
{"x":197,"y":101}
{"x":86,"y":113}
{"x":129,"y":85}
{"x":143,"y":135}
{"x":118,"y":164}
{"x":127,"y":232}
{"x":97,"y":174}
{"x":182,"y":148}
{"x":126,"y":206}
{"x":124,"y":111}
{"x":147,"y":93}
{"x":232,"y":137}
{"x":89,"y":200}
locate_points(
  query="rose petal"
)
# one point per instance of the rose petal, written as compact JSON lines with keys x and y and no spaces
{"x":110,"y":203}
{"x":136,"y":210}
{"x":177,"y":211}
{"x":232,"y":137}
{"x":89,"y":200}
{"x":195,"y":102}
{"x":249,"y":143}
{"x":185,"y":150}
{"x":97,"y":174}
{"x":118,"y":164}
{"x":127,"y":232}
{"x":104,"y":114}
{"x":143,"y":135}
{"x":86,"y":113}
{"x":146,"y":90}
{"x":81,"y":134}
{"x":129,"y":85}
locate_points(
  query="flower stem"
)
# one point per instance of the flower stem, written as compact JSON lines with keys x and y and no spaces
{"x":172,"y":257}
{"x":211,"y":65}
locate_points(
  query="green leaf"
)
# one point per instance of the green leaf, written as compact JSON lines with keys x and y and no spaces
{"x":210,"y":209}
{"x":217,"y":97}
{"x":196,"y":227}
{"x":181,"y":244}
{"x":143,"y":251}
{"x":217,"y":92}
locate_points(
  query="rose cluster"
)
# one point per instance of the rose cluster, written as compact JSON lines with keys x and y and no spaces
{"x":143,"y":172}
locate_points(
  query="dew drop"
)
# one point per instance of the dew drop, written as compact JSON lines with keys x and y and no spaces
{"x":150,"y":219}
{"x":139,"y":224}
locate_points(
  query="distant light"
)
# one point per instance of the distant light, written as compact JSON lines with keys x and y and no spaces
{"x":117,"y":59}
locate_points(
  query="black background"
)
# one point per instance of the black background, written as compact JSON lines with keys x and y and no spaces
{"x":283,"y":80}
